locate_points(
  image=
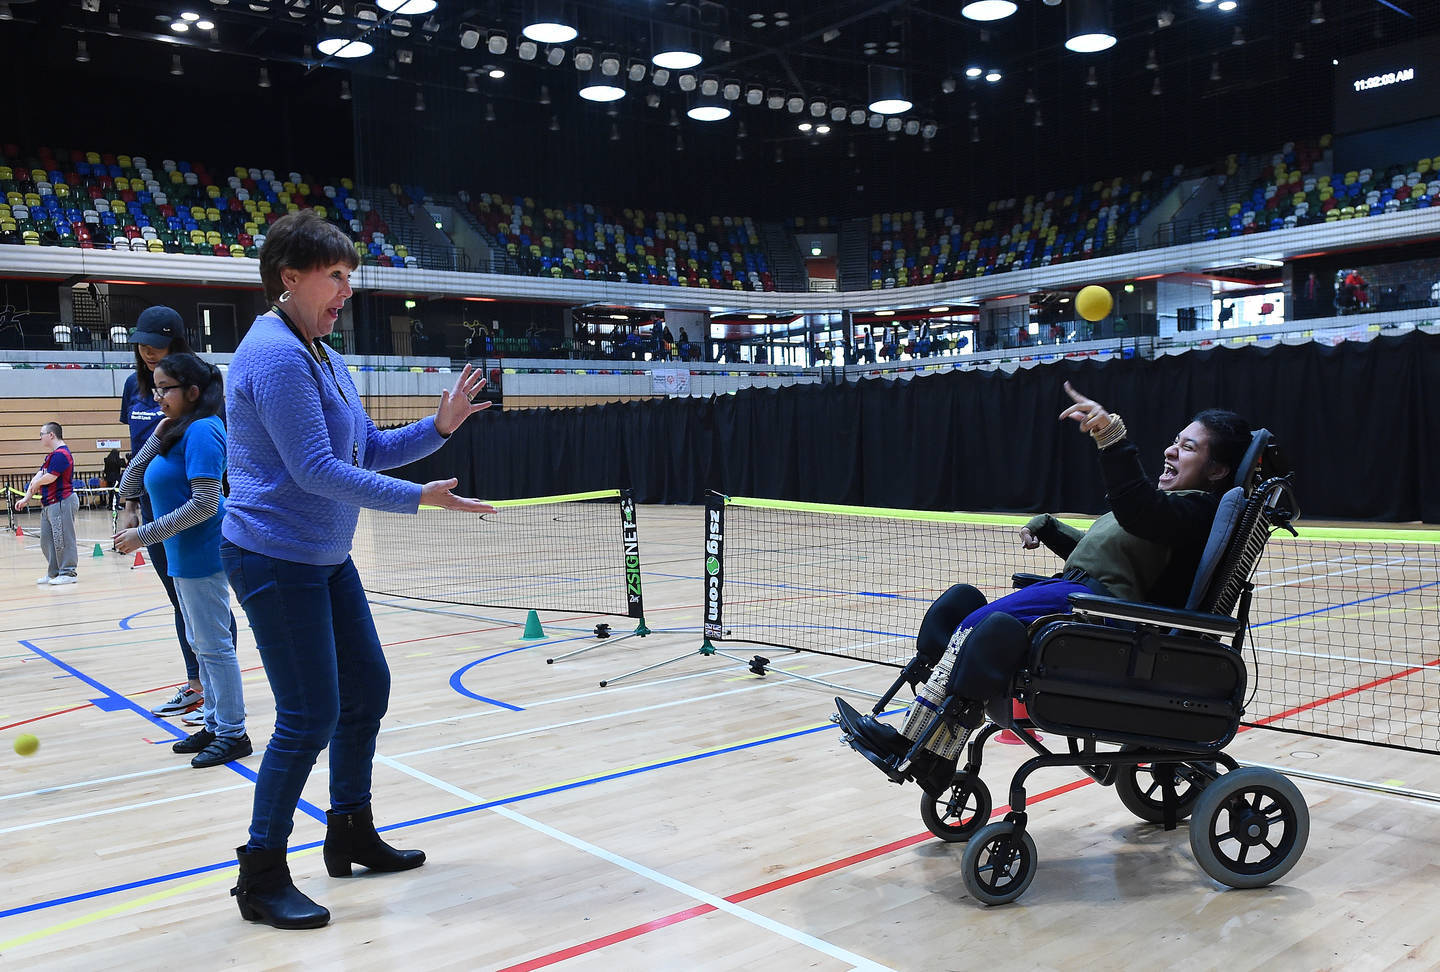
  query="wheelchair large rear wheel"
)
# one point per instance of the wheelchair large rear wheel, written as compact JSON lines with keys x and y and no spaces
{"x":1249,"y":827}
{"x":998,"y":866}
{"x":958,"y":812}
{"x":1141,"y":789}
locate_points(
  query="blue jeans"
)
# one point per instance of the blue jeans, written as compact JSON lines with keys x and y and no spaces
{"x":1030,"y":603}
{"x":205,"y":603}
{"x":322,"y":656}
{"x":162,"y":567}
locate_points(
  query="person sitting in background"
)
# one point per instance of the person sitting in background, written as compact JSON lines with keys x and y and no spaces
{"x":1147,"y":548}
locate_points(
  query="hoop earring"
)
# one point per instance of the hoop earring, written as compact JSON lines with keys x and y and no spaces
{"x":284,"y":296}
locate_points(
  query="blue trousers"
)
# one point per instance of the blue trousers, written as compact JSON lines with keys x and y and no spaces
{"x":1030,"y":603}
{"x":322,"y":657}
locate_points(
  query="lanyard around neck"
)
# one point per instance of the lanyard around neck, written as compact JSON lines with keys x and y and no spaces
{"x":316,"y":349}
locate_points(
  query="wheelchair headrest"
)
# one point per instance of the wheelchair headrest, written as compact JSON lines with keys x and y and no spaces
{"x":1232,"y":504}
{"x":1262,"y":461}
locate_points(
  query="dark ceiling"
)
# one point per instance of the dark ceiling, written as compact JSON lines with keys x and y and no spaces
{"x":1246,"y":79}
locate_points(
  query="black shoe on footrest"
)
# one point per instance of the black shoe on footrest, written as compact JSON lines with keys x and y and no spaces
{"x":858,"y":729}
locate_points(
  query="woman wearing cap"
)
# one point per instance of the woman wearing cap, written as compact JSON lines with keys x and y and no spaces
{"x":302,"y":455}
{"x":158,"y":331}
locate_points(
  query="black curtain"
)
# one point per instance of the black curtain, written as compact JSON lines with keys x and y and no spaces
{"x":1357,"y":422}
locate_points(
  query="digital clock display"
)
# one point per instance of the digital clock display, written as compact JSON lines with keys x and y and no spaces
{"x":1381,"y":89}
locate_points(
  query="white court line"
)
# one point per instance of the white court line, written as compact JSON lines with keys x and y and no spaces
{"x":106,"y":779}
{"x":1334,"y":573}
{"x":664,"y":880}
{"x":1346,"y":658}
{"x":123,"y":809}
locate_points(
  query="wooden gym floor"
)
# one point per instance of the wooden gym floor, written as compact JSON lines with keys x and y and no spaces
{"x":694,"y":816}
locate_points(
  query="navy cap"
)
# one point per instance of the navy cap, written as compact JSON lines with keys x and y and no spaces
{"x":157,"y":326}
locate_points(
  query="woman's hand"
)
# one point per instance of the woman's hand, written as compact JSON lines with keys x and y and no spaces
{"x":438,"y":494}
{"x":455,"y":403}
{"x":128,"y":541}
{"x":126,"y":519}
{"x":1028,"y":540}
{"x":1090,"y":414}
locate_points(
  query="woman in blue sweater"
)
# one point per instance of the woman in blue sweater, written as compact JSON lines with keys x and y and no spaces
{"x":302,"y":460}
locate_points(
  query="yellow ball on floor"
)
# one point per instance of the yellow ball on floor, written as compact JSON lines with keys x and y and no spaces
{"x":26,"y":744}
{"x":1093,"y":302}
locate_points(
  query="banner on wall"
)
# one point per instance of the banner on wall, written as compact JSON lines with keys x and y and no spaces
{"x":670,"y":381}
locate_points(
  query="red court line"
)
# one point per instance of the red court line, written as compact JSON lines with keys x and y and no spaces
{"x":1337,"y":696}
{"x":799,"y":877}
{"x":87,"y":705}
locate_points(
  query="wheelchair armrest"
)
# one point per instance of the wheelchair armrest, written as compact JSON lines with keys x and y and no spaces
{"x":1025,"y":580}
{"x":1137,"y":613}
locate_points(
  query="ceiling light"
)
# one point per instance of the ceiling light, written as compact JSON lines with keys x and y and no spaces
{"x":1226,"y":5}
{"x":804,"y":126}
{"x":754,"y":95}
{"x":1151,"y":63}
{"x":817,"y":109}
{"x":755,"y":317}
{"x":985,"y":10}
{"x":554,"y":123}
{"x":546,"y":23}
{"x":1317,"y":15}
{"x":204,"y":25}
{"x":496,"y":73}
{"x":179,"y":26}
{"x":399,"y":27}
{"x":884,"y":313}
{"x":677,"y":49}
{"x":5,"y":13}
{"x":731,"y":91}
{"x":779,"y":156}
{"x":858,"y":116}
{"x":686,"y":82}
{"x":1094,"y":104}
{"x":1088,"y":26}
{"x":1091,"y":80}
{"x":614,"y":133}
{"x":722,"y":45}
{"x":660,"y":77}
{"x":795,"y":104}
{"x":82,"y":56}
{"x":887,"y":90}
{"x":893,"y":124}
{"x":555,"y":56}
{"x":973,"y":71}
{"x":345,"y":90}
{"x":1238,"y":38}
{"x":937,"y":310}
{"x":343,"y":47}
{"x":912,"y":127}
{"x":709,"y":87}
{"x":419,"y":100}
{"x":191,"y":17}
{"x":544,"y":94}
{"x":993,"y":75}
{"x":974,"y":112}
{"x":610,"y":65}
{"x":489,"y":111}
{"x":526,"y":50}
{"x":740,"y":130}
{"x":636,"y":71}
{"x":775,"y":100}
{"x":1164,"y":18}
{"x":409,"y":8}
{"x":708,"y":112}
{"x":1214,"y":70}
{"x":1039,"y":119}
{"x":929,"y":129}
{"x":584,"y":60}
{"x":470,"y":86}
{"x":674,"y":118}
{"x":1299,"y":52}
{"x":595,"y":87}
{"x":947,"y":86}
{"x":652,"y":100}
{"x":679,"y":143}
{"x":822,"y":129}
{"x":1030,"y":98}
{"x":837,"y":113}
{"x":264,"y":81}
{"x":876,"y":121}
{"x":1155,"y":88}
{"x":176,"y":68}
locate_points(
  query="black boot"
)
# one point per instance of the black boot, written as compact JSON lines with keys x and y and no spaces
{"x":350,"y":838}
{"x":266,"y":894}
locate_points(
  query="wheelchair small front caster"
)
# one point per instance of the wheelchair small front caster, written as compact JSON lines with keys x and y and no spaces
{"x":998,"y":866}
{"x":956,"y":814}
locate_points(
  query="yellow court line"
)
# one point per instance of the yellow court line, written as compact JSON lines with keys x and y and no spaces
{"x":94,"y":916}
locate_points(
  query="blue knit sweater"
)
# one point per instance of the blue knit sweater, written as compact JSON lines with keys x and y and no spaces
{"x":301,"y":451}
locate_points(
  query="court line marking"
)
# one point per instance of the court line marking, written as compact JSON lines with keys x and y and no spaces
{"x":106,"y":779}
{"x":640,"y":870}
{"x":122,"y":809}
{"x":799,"y":877}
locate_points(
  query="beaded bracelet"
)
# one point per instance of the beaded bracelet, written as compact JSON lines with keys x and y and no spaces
{"x":1111,"y":434}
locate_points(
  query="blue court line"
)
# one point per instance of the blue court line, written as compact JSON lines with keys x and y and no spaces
{"x":457,"y":684}
{"x":1336,"y":607}
{"x":113,"y":701}
{"x":125,"y":621}
{"x":505,"y":801}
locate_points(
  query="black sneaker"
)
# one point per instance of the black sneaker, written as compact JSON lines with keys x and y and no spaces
{"x":222,"y":750}
{"x":194,"y":742}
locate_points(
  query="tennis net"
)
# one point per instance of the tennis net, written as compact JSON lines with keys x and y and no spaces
{"x":1345,"y":624}
{"x":576,"y":553}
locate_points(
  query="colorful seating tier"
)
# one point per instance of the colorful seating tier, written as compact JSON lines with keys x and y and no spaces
{"x":586,"y":242}
{"x":120,"y":202}
{"x":906,"y":249}
{"x":1289,"y":193}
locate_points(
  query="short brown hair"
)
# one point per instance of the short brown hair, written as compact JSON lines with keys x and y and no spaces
{"x":54,"y":429}
{"x":302,"y":241}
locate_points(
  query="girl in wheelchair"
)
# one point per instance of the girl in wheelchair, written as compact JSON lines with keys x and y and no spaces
{"x":1147,"y":548}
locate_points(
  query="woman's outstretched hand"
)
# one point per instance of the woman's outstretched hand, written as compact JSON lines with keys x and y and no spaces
{"x":1090,"y":414}
{"x":438,"y":494}
{"x":455,"y":403}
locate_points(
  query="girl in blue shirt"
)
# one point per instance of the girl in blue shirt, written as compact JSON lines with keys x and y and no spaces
{"x":159,"y":331}
{"x":181,"y":466}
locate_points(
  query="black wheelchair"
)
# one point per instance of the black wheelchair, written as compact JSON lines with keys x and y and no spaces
{"x":1166,"y":686}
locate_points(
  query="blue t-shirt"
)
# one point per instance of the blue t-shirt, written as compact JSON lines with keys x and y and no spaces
{"x":141,"y":412}
{"x":200,"y":454}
